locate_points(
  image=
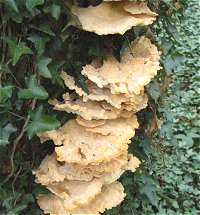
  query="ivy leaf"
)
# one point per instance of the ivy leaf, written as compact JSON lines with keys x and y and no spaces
{"x":152,"y":88}
{"x":167,"y":45}
{"x":27,"y":198}
{"x":174,"y":33}
{"x":4,"y":69}
{"x":30,"y":4}
{"x":81,"y":82}
{"x":42,"y":63}
{"x":178,"y":59}
{"x":16,"y":209}
{"x":5,"y":92}
{"x":12,"y":4}
{"x":39,"y":42}
{"x":40,"y":122}
{"x":40,"y":189}
{"x":5,"y":133}
{"x":169,"y":64}
{"x":33,"y":91}
{"x":16,"y":50}
{"x":166,"y":130}
{"x":55,"y":11}
{"x":146,"y":145}
{"x":72,"y":21}
{"x":43,"y":28}
{"x":46,"y":29}
{"x":149,"y":188}
{"x":17,"y":17}
{"x":56,"y":74}
{"x":170,"y":3}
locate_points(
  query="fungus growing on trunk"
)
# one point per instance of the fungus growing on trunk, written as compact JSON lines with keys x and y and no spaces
{"x":114,"y":17}
{"x":91,"y":151}
{"x":55,"y":205}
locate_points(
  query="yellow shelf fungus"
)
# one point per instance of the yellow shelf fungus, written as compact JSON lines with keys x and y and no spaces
{"x":91,"y":151}
{"x":114,"y":17}
{"x":139,"y":64}
{"x":56,"y":206}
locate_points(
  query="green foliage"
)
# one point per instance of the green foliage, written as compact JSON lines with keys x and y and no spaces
{"x":33,"y":91}
{"x":39,"y":42}
{"x":5,"y":133}
{"x":42,"y":64}
{"x":16,"y":49}
{"x":39,"y":39}
{"x":12,"y":4}
{"x":40,"y":122}
{"x":168,"y":182}
{"x":30,"y":4}
{"x":5,"y":92}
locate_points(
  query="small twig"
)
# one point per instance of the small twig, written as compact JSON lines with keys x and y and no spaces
{"x":15,"y":145}
{"x":15,"y":80}
{"x":15,"y":180}
{"x":8,"y":62}
{"x":21,"y":117}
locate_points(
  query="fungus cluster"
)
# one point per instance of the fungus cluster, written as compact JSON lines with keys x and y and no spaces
{"x":114,"y":17}
{"x":91,"y":151}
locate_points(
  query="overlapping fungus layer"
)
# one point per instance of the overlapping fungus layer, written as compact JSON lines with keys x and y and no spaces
{"x":91,"y":151}
{"x":114,"y":17}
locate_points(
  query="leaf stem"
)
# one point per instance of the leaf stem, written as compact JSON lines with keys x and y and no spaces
{"x":16,"y":114}
{"x":15,"y":145}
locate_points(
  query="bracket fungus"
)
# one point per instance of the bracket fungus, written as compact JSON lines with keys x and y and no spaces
{"x":103,"y":94}
{"x":55,"y":205}
{"x":138,"y":66}
{"x":76,"y":193}
{"x":51,"y":171}
{"x":91,"y":151}
{"x":85,"y":147}
{"x":88,"y":110}
{"x":114,"y":17}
